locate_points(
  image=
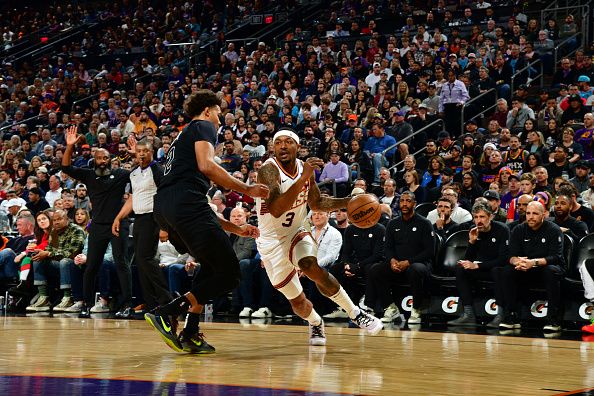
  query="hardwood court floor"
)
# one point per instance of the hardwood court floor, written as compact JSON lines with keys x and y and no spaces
{"x":277,"y":357}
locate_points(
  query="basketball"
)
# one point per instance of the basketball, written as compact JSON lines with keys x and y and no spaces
{"x":364,"y":210}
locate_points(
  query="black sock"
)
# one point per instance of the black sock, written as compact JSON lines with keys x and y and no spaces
{"x":192,"y":324}
{"x":175,"y":307}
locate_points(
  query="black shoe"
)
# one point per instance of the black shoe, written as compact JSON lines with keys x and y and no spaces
{"x":195,"y":344}
{"x":167,"y":330}
{"x":510,"y":322}
{"x":494,"y":324}
{"x":464,"y":320}
{"x":175,"y":308}
{"x":126,"y":312}
{"x":19,"y":290}
{"x":552,"y":326}
{"x":85,"y":312}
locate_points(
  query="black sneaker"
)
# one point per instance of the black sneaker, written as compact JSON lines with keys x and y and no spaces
{"x":552,"y":326}
{"x":494,"y":324}
{"x":510,"y":322}
{"x":166,"y":329}
{"x":126,"y":312}
{"x":19,"y":290}
{"x":464,"y":320}
{"x":85,"y":312}
{"x":175,"y":308}
{"x":195,"y":344}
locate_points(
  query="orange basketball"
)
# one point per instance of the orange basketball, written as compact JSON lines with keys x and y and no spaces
{"x":364,"y":210}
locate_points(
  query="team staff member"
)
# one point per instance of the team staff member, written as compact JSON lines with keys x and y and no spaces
{"x":361,"y":248}
{"x":574,"y":228}
{"x":487,"y":252}
{"x":536,"y":249}
{"x":409,"y":250}
{"x":144,"y":181}
{"x":182,"y":210}
{"x":106,"y":189}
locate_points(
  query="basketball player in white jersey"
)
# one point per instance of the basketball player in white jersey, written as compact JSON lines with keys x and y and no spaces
{"x":285,"y":243}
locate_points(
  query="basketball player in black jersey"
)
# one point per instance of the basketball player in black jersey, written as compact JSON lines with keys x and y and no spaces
{"x":181,"y":208}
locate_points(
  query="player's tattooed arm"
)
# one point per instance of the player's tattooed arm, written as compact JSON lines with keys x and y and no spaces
{"x":278,"y":203}
{"x":317,"y":201}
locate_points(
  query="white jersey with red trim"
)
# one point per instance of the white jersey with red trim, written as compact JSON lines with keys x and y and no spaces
{"x":277,"y":231}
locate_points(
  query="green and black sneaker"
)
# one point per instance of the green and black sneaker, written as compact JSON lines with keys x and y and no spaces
{"x":195,"y":344}
{"x":166,"y":329}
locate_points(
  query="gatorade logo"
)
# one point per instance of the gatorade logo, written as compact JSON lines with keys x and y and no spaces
{"x":491,"y":307}
{"x":539,"y":309}
{"x":407,"y":303}
{"x":450,"y":304}
{"x":585,"y":311}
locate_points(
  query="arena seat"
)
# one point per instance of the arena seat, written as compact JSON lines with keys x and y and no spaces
{"x":423,"y":209}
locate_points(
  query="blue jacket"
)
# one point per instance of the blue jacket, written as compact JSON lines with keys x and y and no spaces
{"x":377,"y":145}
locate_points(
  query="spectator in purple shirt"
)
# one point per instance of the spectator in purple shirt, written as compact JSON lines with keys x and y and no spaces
{"x":336,"y":171}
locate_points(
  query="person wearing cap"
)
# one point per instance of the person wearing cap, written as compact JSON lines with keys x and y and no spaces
{"x":374,"y":77}
{"x":37,"y":202}
{"x":445,"y":145}
{"x":81,"y":200}
{"x":495,"y":203}
{"x":143,"y":122}
{"x":513,"y":192}
{"x":576,"y":111}
{"x":585,"y":89}
{"x":432,"y":100}
{"x":453,"y":96}
{"x":400,"y":128}
{"x":582,"y":179}
{"x":486,"y":254}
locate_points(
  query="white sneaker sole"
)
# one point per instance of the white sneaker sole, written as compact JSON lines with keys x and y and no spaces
{"x":317,"y":341}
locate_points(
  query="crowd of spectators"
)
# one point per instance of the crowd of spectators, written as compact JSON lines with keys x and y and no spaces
{"x":356,"y":88}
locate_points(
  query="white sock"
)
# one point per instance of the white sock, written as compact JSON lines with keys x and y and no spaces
{"x":342,"y":299}
{"x":314,"y":318}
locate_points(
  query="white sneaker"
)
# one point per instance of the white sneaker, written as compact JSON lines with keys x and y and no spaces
{"x":246,"y":312}
{"x":64,"y":304}
{"x":99,"y":307}
{"x":76,"y":307}
{"x":262,"y":313}
{"x":339,"y":313}
{"x":415,"y":316}
{"x":368,"y":322}
{"x":42,"y":304}
{"x":391,"y":313}
{"x":363,"y":306}
{"x":317,"y":334}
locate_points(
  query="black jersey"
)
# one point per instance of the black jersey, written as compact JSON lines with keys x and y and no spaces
{"x":181,"y":167}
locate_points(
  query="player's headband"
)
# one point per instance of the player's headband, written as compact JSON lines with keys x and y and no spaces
{"x":286,"y":132}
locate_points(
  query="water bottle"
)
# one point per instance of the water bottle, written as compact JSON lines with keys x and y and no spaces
{"x":565,"y":175}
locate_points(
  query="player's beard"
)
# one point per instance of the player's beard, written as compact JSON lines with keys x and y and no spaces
{"x":102,"y":171}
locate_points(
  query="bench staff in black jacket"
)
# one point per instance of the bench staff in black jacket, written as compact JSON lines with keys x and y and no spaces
{"x":487,"y":252}
{"x":361,"y":248}
{"x":410,"y":247}
{"x":536,"y":249}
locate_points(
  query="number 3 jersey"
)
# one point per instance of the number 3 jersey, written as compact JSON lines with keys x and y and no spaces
{"x":275,"y":232}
